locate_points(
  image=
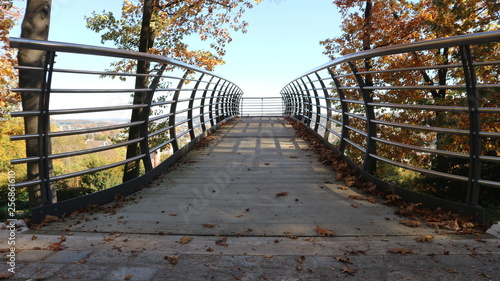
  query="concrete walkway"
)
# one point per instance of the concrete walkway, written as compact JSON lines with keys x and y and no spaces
{"x":247,"y":207}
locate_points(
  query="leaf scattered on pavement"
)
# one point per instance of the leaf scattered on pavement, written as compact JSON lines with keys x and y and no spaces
{"x":209,"y":225}
{"x":172,"y":259}
{"x":410,"y":223}
{"x":324,"y":232}
{"x":222,"y":242}
{"x":347,"y":269}
{"x":401,"y":251}
{"x":281,"y":194}
{"x":186,"y":239}
{"x":343,"y":259}
{"x":425,"y":238}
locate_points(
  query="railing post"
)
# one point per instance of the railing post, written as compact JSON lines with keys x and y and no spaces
{"x":47,"y":190}
{"x":298,"y":102}
{"x":306,"y":99}
{"x":318,"y":108}
{"x":475,"y":126}
{"x":144,"y":130}
{"x":211,"y":103}
{"x":173,"y":110}
{"x":190,"y":105}
{"x":369,"y":164}
{"x":328,"y":106}
{"x":202,"y":105}
{"x":343,"y":106}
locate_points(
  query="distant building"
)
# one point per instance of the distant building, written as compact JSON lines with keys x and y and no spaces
{"x":96,"y":143}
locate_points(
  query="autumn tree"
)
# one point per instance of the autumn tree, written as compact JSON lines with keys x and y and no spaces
{"x":370,"y":24}
{"x":162,"y":27}
{"x":8,"y":17}
{"x":35,"y":25}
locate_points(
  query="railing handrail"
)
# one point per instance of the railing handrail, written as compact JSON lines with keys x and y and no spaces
{"x":23,"y":43}
{"x":468,"y":39}
{"x":210,"y":101}
{"x":337,"y":93}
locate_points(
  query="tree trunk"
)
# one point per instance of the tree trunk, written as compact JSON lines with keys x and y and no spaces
{"x":145,"y":43}
{"x":35,"y":26}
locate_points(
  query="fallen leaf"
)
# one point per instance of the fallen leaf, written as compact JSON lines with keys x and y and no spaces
{"x":238,"y":216}
{"x":74,"y":215}
{"x":425,"y":238}
{"x":343,"y":259}
{"x":172,"y":259}
{"x":63,"y":238}
{"x":6,"y":275}
{"x":56,"y":246}
{"x":401,"y":251}
{"x":347,"y":269}
{"x":355,"y":251}
{"x":222,"y":242}
{"x":186,"y":239}
{"x":410,"y":223}
{"x":210,"y":249}
{"x":34,"y":237}
{"x":50,"y":219}
{"x":393,"y":197}
{"x":128,"y":277}
{"x":450,"y":270}
{"x":354,"y":205}
{"x":268,"y":256}
{"x":280,"y":194}
{"x":293,"y":156}
{"x":324,"y":232}
{"x":342,"y":187}
{"x":267,"y":164}
{"x":357,"y":197}
{"x":209,"y":225}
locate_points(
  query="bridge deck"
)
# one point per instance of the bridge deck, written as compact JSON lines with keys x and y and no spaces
{"x":234,"y":183}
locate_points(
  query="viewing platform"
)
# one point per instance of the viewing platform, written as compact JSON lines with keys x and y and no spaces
{"x":251,"y":202}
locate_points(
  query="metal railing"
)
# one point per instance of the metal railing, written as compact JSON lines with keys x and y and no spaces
{"x":261,"y":106}
{"x":180,"y":108}
{"x":411,"y":107}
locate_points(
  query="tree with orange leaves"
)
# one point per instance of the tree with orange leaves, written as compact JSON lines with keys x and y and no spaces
{"x":8,"y":17}
{"x":161,"y":27}
{"x":370,"y":24}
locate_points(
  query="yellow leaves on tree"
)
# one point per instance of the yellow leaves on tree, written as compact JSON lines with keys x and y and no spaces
{"x":172,"y":22}
{"x":8,"y":17}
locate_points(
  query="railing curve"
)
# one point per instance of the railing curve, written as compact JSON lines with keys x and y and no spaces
{"x":179,"y":109}
{"x":442,"y":95}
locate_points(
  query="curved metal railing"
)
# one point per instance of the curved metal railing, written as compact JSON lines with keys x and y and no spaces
{"x":183,"y":106}
{"x":386,"y":113}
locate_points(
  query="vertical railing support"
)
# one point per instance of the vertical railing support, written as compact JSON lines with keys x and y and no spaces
{"x":202,"y":105}
{"x":47,"y":191}
{"x":211,"y":103}
{"x":343,"y":106}
{"x":173,"y":110}
{"x":369,"y":162}
{"x":190,"y":106}
{"x":328,"y":106}
{"x":144,"y":130}
{"x":475,"y":126}
{"x":318,"y":108}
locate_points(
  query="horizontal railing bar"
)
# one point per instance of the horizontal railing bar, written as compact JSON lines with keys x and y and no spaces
{"x":477,"y":38}
{"x":96,"y":109}
{"x":354,"y":144}
{"x":163,"y":116}
{"x":445,"y":66}
{"x":93,"y":130}
{"x":100,"y":51}
{"x":97,"y":169}
{"x":420,"y":170}
{"x":161,"y":145}
{"x":356,"y":116}
{"x":150,"y":135}
{"x":356,"y":130}
{"x":422,"y":128}
{"x":93,"y":150}
{"x":421,"y":107}
{"x":423,"y":149}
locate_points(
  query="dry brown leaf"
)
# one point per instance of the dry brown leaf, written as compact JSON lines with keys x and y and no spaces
{"x":74,"y":215}
{"x":347,"y":269}
{"x":56,"y":246}
{"x":393,"y":197}
{"x":6,"y":275}
{"x":372,"y":200}
{"x":34,"y":237}
{"x":355,"y":251}
{"x":128,"y":277}
{"x":186,"y":239}
{"x":50,"y":219}
{"x":425,"y":238}
{"x":357,"y":197}
{"x":222,"y":242}
{"x":342,"y":187}
{"x":210,"y":249}
{"x":209,"y":225}
{"x":324,"y":232}
{"x":410,"y":223}
{"x":282,"y":193}
{"x":401,"y":251}
{"x":63,"y":238}
{"x":450,"y":270}
{"x":343,"y":259}
{"x":354,"y":205}
{"x":172,"y":259}
{"x":268,"y":256}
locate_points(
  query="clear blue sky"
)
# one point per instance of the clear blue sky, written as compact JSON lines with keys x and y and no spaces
{"x":282,"y":41}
